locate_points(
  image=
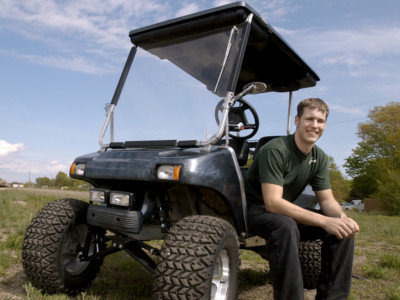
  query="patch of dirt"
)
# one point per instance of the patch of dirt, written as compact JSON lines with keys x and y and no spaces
{"x":11,"y":285}
{"x":266,"y":292}
{"x":258,"y":293}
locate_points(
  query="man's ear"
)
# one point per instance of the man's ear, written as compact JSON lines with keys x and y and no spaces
{"x":296,"y":121}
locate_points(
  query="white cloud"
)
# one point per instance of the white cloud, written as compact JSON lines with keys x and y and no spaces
{"x":187,"y":9}
{"x":7,"y":148}
{"x":75,"y":15}
{"x":99,"y":21}
{"x":56,"y":166}
{"x":270,"y":10}
{"x":221,"y":2}
{"x":35,"y":167}
{"x":349,"y":59}
{"x":350,"y":47}
{"x":348,"y":110}
{"x":70,"y":33}
{"x":74,"y":63}
{"x":24,"y":165}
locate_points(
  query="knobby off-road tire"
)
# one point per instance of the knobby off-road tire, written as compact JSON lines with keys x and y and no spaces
{"x":310,"y":262}
{"x":199,"y":260}
{"x":51,"y":248}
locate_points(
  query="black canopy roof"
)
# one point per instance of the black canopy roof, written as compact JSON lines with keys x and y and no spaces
{"x":226,"y":48}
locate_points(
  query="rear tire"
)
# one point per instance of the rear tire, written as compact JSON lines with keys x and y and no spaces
{"x":199,"y":260}
{"x":52,"y":246}
{"x":310,"y":262}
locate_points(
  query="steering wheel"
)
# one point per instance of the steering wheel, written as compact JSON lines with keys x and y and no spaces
{"x":238,"y":120}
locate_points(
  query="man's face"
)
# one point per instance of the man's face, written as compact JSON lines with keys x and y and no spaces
{"x":310,"y":125}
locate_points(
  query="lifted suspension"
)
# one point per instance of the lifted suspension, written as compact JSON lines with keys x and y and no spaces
{"x":132,"y":247}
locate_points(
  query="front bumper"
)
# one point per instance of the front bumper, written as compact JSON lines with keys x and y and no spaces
{"x":114,"y":219}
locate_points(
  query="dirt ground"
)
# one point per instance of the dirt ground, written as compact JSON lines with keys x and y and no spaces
{"x":265,"y":292}
{"x":11,"y":285}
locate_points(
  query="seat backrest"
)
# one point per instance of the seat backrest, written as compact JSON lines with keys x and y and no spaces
{"x":241,"y":148}
{"x":262,"y":141}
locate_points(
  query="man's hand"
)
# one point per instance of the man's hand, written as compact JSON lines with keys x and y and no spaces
{"x":353,"y":225}
{"x":343,"y":227}
{"x":337,"y":223}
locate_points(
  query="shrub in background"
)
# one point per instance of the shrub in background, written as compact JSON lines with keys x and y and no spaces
{"x":388,"y":189}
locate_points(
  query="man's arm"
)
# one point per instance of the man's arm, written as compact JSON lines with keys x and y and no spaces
{"x":335,"y":222}
{"x":329,"y":206}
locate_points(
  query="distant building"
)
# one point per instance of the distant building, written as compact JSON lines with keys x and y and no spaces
{"x":373,"y":204}
{"x":17,"y":185}
{"x":3,"y":183}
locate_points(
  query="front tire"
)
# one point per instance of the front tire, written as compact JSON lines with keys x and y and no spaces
{"x":52,"y":245}
{"x":199,"y":260}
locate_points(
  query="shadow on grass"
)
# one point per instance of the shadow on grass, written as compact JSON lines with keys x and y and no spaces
{"x":250,"y":279}
{"x":122,"y":278}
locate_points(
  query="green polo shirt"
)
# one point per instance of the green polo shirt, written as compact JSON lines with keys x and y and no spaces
{"x":281,"y":162}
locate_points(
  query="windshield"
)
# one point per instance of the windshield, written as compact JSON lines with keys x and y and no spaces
{"x":159,"y":101}
{"x":209,"y":57}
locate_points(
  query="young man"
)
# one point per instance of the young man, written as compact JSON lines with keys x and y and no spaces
{"x":280,"y":172}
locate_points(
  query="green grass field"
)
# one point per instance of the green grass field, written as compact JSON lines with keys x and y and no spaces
{"x":376,"y":266}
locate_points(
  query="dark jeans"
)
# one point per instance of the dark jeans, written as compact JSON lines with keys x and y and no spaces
{"x":283,"y":236}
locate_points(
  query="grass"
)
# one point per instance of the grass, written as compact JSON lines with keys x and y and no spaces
{"x":376,"y":266}
{"x":377,"y":257}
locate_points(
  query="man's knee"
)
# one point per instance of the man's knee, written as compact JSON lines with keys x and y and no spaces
{"x":284,"y":223}
{"x":264,"y":224}
{"x":284,"y":229}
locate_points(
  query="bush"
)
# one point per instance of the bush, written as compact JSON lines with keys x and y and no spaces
{"x":389,"y":191}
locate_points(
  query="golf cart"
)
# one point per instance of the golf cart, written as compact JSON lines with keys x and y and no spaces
{"x":188,"y":193}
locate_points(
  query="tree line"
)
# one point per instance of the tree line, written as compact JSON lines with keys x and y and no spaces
{"x":61,"y":181}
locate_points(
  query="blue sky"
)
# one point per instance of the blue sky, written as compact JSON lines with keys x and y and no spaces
{"x":61,"y":60}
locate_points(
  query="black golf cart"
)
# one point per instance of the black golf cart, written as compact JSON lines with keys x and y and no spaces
{"x":187,"y":193}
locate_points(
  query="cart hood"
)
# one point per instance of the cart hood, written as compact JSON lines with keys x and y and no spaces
{"x":226,"y":48}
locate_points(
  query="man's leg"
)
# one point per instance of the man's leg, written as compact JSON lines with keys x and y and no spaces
{"x":283,"y":238}
{"x":336,"y":263}
{"x":336,"y":268}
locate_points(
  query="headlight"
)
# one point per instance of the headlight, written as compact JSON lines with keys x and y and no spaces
{"x":77,"y":169}
{"x":99,"y":195}
{"x":167,"y":172}
{"x":121,"y":198}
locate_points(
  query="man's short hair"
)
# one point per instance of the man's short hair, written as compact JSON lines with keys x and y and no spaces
{"x":313,"y":103}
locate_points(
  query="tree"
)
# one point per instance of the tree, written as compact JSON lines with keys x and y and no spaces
{"x":61,"y":180}
{"x":379,"y":149}
{"x":43,"y":181}
{"x":389,"y":192}
{"x":340,"y":186}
